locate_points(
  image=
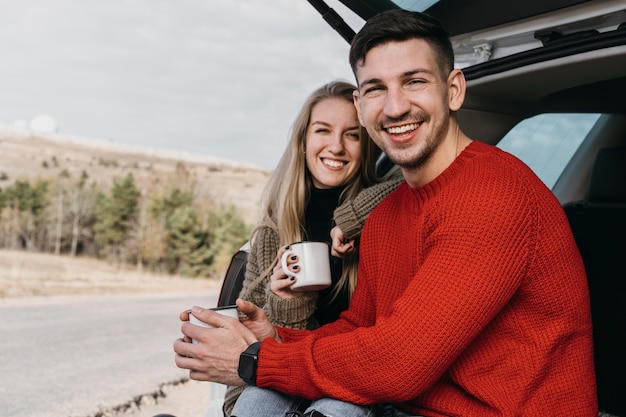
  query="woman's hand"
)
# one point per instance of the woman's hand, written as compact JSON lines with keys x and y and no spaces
{"x":280,"y":282}
{"x":341,"y":247}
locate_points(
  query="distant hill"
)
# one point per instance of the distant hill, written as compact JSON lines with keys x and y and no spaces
{"x":26,"y":154}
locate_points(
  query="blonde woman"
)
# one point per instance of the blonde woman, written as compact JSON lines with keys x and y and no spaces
{"x":329,"y":160}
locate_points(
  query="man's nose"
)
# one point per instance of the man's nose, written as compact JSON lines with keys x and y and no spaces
{"x":397,"y":103}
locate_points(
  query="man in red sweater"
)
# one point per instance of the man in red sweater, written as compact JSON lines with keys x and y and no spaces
{"x":472,"y":298}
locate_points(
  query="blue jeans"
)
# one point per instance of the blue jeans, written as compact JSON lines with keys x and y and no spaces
{"x":261,"y":402}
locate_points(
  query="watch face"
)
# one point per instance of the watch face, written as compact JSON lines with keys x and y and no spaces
{"x":248,"y":364}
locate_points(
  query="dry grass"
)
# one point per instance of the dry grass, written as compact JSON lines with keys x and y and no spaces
{"x":24,"y":274}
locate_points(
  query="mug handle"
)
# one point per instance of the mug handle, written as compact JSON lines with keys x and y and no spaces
{"x":283,"y":263}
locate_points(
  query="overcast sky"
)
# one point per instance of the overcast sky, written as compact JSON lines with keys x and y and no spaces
{"x":219,"y":77}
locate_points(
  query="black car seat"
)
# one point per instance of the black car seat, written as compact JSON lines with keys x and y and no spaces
{"x":233,"y":281}
{"x":599,"y":227}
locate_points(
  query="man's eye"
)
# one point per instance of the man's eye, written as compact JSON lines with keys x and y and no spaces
{"x":416,"y":82}
{"x":372,"y":90}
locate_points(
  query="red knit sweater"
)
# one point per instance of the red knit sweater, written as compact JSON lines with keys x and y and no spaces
{"x":472,"y":300}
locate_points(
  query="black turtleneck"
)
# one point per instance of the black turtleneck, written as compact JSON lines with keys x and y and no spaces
{"x":319,"y":220}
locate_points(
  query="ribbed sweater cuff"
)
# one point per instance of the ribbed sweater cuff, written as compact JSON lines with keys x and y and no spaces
{"x":290,"y":312}
{"x":347,"y":220}
{"x":273,"y":369}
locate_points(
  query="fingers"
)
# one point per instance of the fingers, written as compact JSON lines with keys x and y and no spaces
{"x":191,"y":331}
{"x":278,"y":271}
{"x":256,"y":321}
{"x":183,"y":350}
{"x":282,"y":284}
{"x":336,"y":235}
{"x":203,"y":366}
{"x":280,"y":275}
{"x":184,"y":316}
{"x":208,"y":316}
{"x":342,"y":249}
{"x":199,"y":317}
{"x":292,"y":263}
{"x":282,"y":250}
{"x":216,"y":355}
{"x":251,"y":311}
{"x":340,"y":246}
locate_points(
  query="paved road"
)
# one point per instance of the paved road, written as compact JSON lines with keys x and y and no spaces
{"x":76,"y":357}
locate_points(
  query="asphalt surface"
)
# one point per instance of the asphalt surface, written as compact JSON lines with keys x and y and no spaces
{"x":81,"y":356}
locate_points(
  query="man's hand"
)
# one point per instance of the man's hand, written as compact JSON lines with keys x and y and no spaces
{"x":216,"y":356}
{"x":256,"y":321}
{"x":340,"y":246}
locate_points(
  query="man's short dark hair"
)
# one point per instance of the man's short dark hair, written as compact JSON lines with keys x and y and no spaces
{"x":399,"y":25}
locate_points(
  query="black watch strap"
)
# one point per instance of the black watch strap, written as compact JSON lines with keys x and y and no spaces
{"x":248,"y":363}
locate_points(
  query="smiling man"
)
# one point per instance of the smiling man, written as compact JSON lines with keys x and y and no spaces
{"x":472,"y":297}
{"x":406,"y":98}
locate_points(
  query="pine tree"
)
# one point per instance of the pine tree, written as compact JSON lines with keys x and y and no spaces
{"x":154,"y":239}
{"x":188,"y":248}
{"x":228,"y":233}
{"x":115,"y":216}
{"x":26,"y":214}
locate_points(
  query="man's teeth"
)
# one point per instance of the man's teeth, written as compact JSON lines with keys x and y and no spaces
{"x":402,"y":129}
{"x":333,"y":163}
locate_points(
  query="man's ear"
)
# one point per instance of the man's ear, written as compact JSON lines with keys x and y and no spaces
{"x":356,"y":98}
{"x":456,"y":89}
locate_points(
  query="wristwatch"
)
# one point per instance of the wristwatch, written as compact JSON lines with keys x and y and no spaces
{"x":248,"y":363}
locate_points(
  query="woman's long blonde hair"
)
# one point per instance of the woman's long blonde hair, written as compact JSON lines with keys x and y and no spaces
{"x":287,"y":192}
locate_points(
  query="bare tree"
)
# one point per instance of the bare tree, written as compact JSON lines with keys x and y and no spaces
{"x":59,"y":219}
{"x":81,"y":212}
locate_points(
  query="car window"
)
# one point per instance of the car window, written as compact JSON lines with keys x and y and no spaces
{"x":415,"y":5}
{"x":547,"y":142}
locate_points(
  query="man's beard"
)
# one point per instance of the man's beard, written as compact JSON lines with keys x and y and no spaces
{"x":414,"y":161}
{"x":431,"y":143}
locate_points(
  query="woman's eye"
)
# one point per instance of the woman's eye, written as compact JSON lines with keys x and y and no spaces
{"x":321,"y":131}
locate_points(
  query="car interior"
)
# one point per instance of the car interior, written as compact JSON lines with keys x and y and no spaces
{"x":545,"y":58}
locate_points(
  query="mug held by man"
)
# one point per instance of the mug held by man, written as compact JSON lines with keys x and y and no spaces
{"x":230,"y":311}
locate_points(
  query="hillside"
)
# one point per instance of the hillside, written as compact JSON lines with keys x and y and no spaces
{"x":26,"y":155}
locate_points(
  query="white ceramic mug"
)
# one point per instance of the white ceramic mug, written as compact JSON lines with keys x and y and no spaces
{"x":314,"y":266}
{"x":230,"y":311}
